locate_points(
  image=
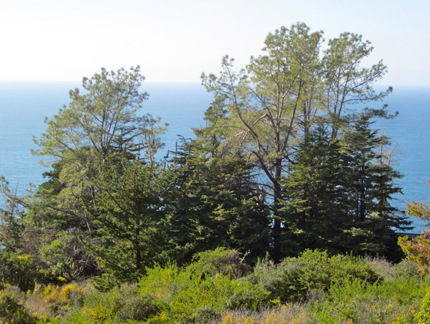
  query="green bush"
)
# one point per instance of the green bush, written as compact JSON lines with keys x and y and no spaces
{"x":265,"y":272}
{"x":423,"y":316}
{"x":22,"y":271}
{"x":106,"y":282}
{"x":392,"y":301}
{"x":11,"y":311}
{"x":189,"y":295}
{"x":134,"y":307}
{"x":119,"y":305}
{"x":219,"y":261}
{"x":315,"y":270}
{"x":205,"y":314}
{"x":405,"y":268}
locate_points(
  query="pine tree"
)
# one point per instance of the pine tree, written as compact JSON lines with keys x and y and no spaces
{"x":337,"y":195}
{"x":129,"y":216}
{"x":371,"y":189}
{"x":315,"y":213}
{"x":217,"y":205}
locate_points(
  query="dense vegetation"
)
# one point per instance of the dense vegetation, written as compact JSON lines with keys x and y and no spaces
{"x":284,"y":169}
{"x":217,"y":288}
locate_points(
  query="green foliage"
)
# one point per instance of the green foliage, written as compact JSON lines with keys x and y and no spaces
{"x":187,"y":294}
{"x":317,"y":271}
{"x":22,"y":271}
{"x":103,"y":118}
{"x":95,"y":132}
{"x":393,"y":301}
{"x":316,"y":197}
{"x":266,"y":272}
{"x":215,"y":204}
{"x":338,"y":289}
{"x":169,"y":294}
{"x":423,"y":316}
{"x":129,"y":216}
{"x":219,"y":261}
{"x":61,"y":255}
{"x":346,"y":183}
{"x":405,"y":268}
{"x":106,"y":282}
{"x":372,"y":185}
{"x":120,"y":305}
{"x":267,"y":109}
{"x":135,"y":307}
{"x":12,"y":311}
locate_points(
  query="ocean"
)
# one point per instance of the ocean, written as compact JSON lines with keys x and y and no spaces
{"x":24,"y":106}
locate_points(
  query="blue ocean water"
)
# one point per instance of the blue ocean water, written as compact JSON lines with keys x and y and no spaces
{"x":24,"y":105}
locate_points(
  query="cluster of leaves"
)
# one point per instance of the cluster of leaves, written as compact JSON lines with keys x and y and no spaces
{"x":201,"y":290}
{"x":196,"y":293}
{"x":418,"y":251}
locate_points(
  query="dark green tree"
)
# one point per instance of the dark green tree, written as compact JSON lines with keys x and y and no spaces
{"x":217,"y":205}
{"x":338,"y":195}
{"x":130,"y":218}
{"x":315,"y":213}
{"x":370,"y":191}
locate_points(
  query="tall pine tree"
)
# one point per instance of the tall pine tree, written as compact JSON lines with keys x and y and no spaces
{"x":338,"y":195}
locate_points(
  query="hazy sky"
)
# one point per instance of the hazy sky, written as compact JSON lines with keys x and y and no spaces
{"x":177,"y":40}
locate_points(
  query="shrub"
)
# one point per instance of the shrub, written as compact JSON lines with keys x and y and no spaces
{"x":406,"y":269}
{"x":106,"y":282}
{"x":205,"y":314}
{"x":11,"y":311}
{"x":190,"y":295}
{"x":51,"y":301}
{"x":220,"y":261}
{"x":97,"y":308}
{"x":423,"y":316}
{"x":393,"y":301}
{"x":380,"y":266}
{"x":315,"y":270}
{"x":265,"y":272}
{"x":119,"y":305}
{"x":418,"y":251}
{"x":23,"y":272}
{"x":134,"y":307}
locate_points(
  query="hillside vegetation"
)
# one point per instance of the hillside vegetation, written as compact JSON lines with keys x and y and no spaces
{"x":279,"y":210}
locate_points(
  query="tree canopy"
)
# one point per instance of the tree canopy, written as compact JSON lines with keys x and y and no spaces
{"x":268,"y":108}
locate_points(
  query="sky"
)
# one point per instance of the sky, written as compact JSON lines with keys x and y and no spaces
{"x":177,"y":40}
